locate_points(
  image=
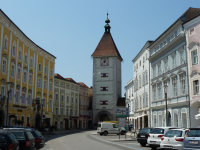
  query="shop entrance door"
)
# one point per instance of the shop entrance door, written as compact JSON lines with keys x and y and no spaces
{"x":66,"y":124}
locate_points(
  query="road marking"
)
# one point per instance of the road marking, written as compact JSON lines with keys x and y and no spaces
{"x":135,"y":148}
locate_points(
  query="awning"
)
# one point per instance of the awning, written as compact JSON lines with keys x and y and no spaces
{"x":197,"y":116}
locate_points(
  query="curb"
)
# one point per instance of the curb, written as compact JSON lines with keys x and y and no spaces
{"x":113,"y":140}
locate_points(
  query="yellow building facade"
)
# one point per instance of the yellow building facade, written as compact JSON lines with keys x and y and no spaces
{"x":30,"y":69}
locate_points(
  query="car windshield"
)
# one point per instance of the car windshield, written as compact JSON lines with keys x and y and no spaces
{"x":173,"y":133}
{"x":157,"y":131}
{"x":2,"y":139}
{"x":30,"y":136}
{"x":19,"y":135}
{"x":145,"y":130}
{"x":35,"y":134}
{"x":99,"y":125}
{"x":193,"y":133}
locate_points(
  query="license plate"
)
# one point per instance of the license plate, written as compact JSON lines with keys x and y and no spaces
{"x":153,"y":142}
{"x":170,"y":147}
{"x":194,"y":142}
{"x":142,"y":136}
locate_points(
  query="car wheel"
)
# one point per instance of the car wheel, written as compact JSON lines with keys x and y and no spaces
{"x":101,"y":134}
{"x":105,"y":133}
{"x":122,"y":132}
{"x":153,"y":147}
{"x":142,"y":144}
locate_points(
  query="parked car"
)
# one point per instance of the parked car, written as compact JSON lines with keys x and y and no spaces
{"x":24,"y":137}
{"x":13,"y":126}
{"x":39,"y":139}
{"x":142,"y":136}
{"x":109,"y":128}
{"x":173,"y":139}
{"x":8,"y":142}
{"x":155,"y":135}
{"x":192,"y":139}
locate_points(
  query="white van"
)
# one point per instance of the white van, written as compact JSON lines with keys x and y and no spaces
{"x":109,"y":128}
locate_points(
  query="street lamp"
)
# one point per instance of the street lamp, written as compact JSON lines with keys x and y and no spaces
{"x":8,"y":92}
{"x":165,"y":90}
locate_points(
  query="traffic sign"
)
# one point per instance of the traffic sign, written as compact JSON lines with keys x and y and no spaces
{"x":43,"y":116}
{"x":122,"y":112}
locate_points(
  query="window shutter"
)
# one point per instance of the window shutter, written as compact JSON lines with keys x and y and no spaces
{"x":106,"y":88}
{"x":101,"y":74}
{"x":101,"y":88}
{"x":106,"y":74}
{"x":106,"y":102}
{"x":100,"y":102}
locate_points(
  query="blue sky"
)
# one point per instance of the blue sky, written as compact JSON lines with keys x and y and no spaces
{"x":71,"y":30}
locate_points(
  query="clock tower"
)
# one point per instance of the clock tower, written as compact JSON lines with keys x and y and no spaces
{"x":106,"y":77}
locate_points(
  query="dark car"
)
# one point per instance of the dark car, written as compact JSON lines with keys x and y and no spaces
{"x":39,"y":139}
{"x":8,"y":142}
{"x":13,"y":126}
{"x":24,"y":137}
{"x":142,"y":136}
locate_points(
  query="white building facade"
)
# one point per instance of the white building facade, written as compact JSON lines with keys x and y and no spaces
{"x":141,"y":112}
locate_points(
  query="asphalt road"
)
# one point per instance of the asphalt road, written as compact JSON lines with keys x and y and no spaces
{"x":83,"y":140}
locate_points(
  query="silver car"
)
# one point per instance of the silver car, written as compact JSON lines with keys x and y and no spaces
{"x":192,"y":139}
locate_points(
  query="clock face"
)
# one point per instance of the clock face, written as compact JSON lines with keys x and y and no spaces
{"x":104,"y":62}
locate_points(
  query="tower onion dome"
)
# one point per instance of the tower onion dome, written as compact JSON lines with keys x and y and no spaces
{"x":107,"y":26}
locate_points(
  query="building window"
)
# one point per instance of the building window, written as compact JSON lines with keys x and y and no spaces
{"x":45,"y":69}
{"x":72,"y":100}
{"x":154,"y":94}
{"x":146,"y":100}
{"x":24,"y":76}
{"x":56,"y":96}
{"x":67,"y":99}
{"x":50,"y":101}
{"x":28,"y":120}
{"x":62,"y":98}
{"x":14,"y":50}
{"x":146,"y":76}
{"x":18,"y":73}
{"x":31,"y":63}
{"x":39,"y":82}
{"x":182,"y":80}
{"x":44,"y":102}
{"x":172,"y":37}
{"x":56,"y":111}
{"x":154,"y":72}
{"x":165,"y":42}
{"x":76,"y":100}
{"x":61,"y":111}
{"x":181,"y":58}
{"x":6,"y":44}
{"x":26,"y":58}
{"x":139,"y":81}
{"x":174,"y":62}
{"x":10,"y":94}
{"x":67,"y":112}
{"x":50,"y":86}
{"x":159,"y":69}
{"x":196,"y":87}
{"x":174,"y":86}
{"x":17,"y":96}
{"x":194,"y":57}
{"x":143,"y":78}
{"x":75,"y":112}
{"x":40,"y":67}
{"x":143,"y":100}
{"x":30,"y":79}
{"x":104,"y":74}
{"x":23,"y":98}
{"x":192,"y":31}
{"x":51,"y":73}
{"x":20,"y":55}
{"x":4,"y":66}
{"x":45,"y":84}
{"x":71,"y":112}
{"x":159,"y":92}
{"x":80,"y":102}
{"x":12,"y":70}
{"x":2,"y":91}
{"x":166,"y":65}
{"x":29,"y":99}
{"x":102,"y":89}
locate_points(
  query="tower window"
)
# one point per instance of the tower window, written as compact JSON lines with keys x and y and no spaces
{"x":104,"y":74}
{"x":104,"y":88}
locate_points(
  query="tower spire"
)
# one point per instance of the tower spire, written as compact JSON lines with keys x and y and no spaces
{"x":107,"y":26}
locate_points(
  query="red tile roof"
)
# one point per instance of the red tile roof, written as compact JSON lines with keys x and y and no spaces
{"x":191,"y":13}
{"x":107,"y":47}
{"x":70,"y":79}
{"x":58,"y":75}
{"x":83,"y":84}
